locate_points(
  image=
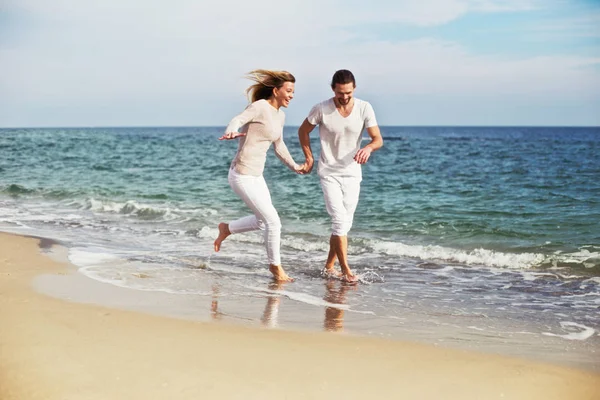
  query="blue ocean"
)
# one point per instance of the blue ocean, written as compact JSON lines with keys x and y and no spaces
{"x":476,"y":232}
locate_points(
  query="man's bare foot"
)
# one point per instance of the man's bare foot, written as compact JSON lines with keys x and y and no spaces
{"x":331,"y":273}
{"x":223,"y":233}
{"x":279,"y":274}
{"x":350,"y":278}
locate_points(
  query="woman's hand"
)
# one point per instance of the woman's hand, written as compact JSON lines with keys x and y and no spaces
{"x":303,"y":169}
{"x":231,"y":135}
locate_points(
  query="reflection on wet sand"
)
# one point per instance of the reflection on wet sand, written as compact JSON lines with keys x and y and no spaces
{"x":269,"y":317}
{"x":335,"y":293}
{"x":214,"y":304}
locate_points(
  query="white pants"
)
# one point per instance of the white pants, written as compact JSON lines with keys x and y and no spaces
{"x":341,"y":198}
{"x":254,"y":192}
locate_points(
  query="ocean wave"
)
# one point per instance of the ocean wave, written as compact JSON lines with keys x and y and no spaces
{"x":583,"y":257}
{"x":479,"y":256}
{"x":305,"y":244}
{"x":141,"y":210}
{"x":129,"y":208}
{"x":16,"y":190}
{"x":487,"y":257}
{"x":574,"y":331}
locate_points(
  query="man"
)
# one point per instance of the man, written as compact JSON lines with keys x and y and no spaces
{"x":341,"y":121}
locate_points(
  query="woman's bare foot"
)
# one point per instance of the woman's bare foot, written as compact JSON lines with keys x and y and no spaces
{"x":279,"y":274}
{"x":223,"y":233}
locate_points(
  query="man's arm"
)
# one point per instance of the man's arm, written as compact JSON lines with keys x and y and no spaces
{"x":362,"y":156}
{"x":304,"y":136}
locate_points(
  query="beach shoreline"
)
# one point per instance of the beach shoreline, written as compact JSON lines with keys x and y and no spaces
{"x":322,"y":305}
{"x":57,"y":349}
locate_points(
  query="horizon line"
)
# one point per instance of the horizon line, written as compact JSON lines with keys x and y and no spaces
{"x":294,"y":126}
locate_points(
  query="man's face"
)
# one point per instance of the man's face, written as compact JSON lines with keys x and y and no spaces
{"x":343,"y":93}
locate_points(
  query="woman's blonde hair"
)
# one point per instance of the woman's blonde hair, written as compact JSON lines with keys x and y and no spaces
{"x":266,"y":80}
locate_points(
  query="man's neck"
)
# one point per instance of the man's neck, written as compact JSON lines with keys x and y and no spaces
{"x":344,"y":107}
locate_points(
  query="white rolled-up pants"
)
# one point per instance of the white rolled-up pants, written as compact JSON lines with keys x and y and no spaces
{"x":341,"y":195}
{"x":254,"y":192}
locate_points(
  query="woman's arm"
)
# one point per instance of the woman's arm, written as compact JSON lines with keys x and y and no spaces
{"x":282,"y":152}
{"x":248,"y":115}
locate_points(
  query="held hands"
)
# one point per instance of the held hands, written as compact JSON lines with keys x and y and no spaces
{"x":363,"y":155}
{"x":305,"y":168}
{"x":231,"y":135}
{"x":301,"y":169}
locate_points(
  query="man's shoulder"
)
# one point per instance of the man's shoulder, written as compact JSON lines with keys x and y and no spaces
{"x":362,"y":104}
{"x":325,"y":104}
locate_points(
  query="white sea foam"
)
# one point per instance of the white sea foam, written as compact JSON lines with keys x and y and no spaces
{"x":587,"y":258}
{"x":90,"y":257}
{"x":301,"y":297}
{"x":305,"y":245}
{"x":295,"y":243}
{"x":207,"y":232}
{"x":575,"y":331}
{"x":475,"y":328}
{"x":211,"y":233}
{"x":133,"y":280}
{"x":370,"y":276}
{"x":532,"y":276}
{"x":133,"y":207}
{"x":474,"y":257}
{"x":238,"y":270}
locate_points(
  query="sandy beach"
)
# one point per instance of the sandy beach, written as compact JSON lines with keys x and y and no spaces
{"x":55,"y":349}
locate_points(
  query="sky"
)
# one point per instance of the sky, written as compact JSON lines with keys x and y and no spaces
{"x":84,"y":63}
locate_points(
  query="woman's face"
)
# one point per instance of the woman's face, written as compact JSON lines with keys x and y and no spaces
{"x":284,"y":94}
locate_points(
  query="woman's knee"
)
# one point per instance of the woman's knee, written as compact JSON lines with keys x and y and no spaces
{"x":273,"y":223}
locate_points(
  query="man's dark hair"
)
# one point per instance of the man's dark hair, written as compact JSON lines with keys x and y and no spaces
{"x":342,"y":77}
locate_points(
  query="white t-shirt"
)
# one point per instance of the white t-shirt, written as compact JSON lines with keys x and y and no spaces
{"x":341,"y":137}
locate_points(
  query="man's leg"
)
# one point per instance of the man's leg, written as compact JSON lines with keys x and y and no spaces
{"x":338,"y":243}
{"x":350,"y":194}
{"x":331,"y":257}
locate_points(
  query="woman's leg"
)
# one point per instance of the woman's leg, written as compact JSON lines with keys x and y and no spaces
{"x":254,"y":192}
{"x":244,"y":224}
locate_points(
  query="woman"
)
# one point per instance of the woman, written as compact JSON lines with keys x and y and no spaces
{"x":260,"y":125}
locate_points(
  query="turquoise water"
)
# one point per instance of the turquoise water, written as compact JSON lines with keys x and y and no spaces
{"x":510,"y":190}
{"x":496,"y":221}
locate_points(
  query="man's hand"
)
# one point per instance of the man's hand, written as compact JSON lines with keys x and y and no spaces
{"x":309,"y":163}
{"x":362,"y":156}
{"x":304,"y":168}
{"x":231,"y":135}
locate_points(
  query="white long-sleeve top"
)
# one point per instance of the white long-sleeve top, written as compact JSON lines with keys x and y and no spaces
{"x":263,"y":125}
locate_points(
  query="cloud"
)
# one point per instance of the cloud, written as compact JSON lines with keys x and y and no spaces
{"x":494,"y":6}
{"x":189,"y":57}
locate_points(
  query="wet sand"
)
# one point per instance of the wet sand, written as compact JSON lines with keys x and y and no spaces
{"x":56,"y":349}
